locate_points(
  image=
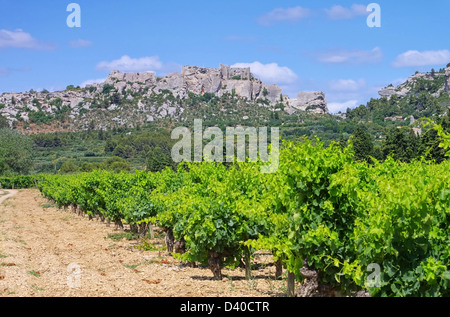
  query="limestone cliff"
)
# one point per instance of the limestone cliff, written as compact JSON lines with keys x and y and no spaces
{"x":441,"y":80}
{"x":139,"y":95}
{"x":218,"y":81}
{"x":447,"y":81}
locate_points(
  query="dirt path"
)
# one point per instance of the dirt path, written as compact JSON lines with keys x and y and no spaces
{"x":5,"y":194}
{"x":48,"y":252}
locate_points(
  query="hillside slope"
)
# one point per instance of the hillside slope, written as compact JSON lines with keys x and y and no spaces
{"x":132,"y":99}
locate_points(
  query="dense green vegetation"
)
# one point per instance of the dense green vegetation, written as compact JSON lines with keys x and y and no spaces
{"x":368,"y":188}
{"x":15,"y":153}
{"x":149,"y":147}
{"x":322,"y":207}
{"x":381,"y":128}
{"x":19,"y":181}
{"x":119,"y":149}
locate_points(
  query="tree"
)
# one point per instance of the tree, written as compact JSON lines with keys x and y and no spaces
{"x":378,"y":153}
{"x":116,"y":164}
{"x":110,"y":144}
{"x":119,"y":166}
{"x":89,"y":167}
{"x":107,"y":88}
{"x":116,"y":99}
{"x":101,"y":135}
{"x":124,"y":151}
{"x":431,"y":141}
{"x":362,"y":144}
{"x":402,"y":144}
{"x":15,"y":152}
{"x":3,"y":122}
{"x":360,"y":112}
{"x":69,"y":166}
{"x":342,"y":142}
{"x":158,"y":159}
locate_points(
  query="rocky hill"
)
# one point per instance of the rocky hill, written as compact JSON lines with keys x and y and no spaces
{"x":433,"y":82}
{"x":130,"y":99}
{"x":422,"y":95}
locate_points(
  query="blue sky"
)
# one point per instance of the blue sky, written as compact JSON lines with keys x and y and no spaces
{"x":299,"y":45}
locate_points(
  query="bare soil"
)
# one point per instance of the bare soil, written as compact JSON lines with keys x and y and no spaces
{"x":51,"y":252}
{"x":5,"y":194}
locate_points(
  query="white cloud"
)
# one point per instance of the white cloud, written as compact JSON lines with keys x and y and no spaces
{"x":92,"y":81}
{"x":291,"y":15}
{"x":294,"y":15}
{"x":80,"y":43}
{"x":349,"y":93}
{"x":424,"y":58}
{"x":338,"y":12}
{"x":349,"y":56}
{"x":128,"y":64}
{"x":270,"y":73}
{"x":21,"y":39}
{"x":335,"y":107}
{"x":347,"y":85}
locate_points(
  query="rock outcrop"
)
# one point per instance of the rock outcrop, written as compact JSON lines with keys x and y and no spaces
{"x":313,"y":101}
{"x":405,"y":88}
{"x":388,"y":92}
{"x":201,"y":80}
{"x":447,"y":81}
{"x":218,"y":81}
{"x":140,"y":89}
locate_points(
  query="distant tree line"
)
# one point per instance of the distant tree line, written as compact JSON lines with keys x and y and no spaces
{"x":155,"y":148}
{"x":114,"y":163}
{"x":401,"y":143}
{"x":15,"y":153}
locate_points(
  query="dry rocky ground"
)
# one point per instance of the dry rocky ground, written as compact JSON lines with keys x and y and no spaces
{"x":48,"y":252}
